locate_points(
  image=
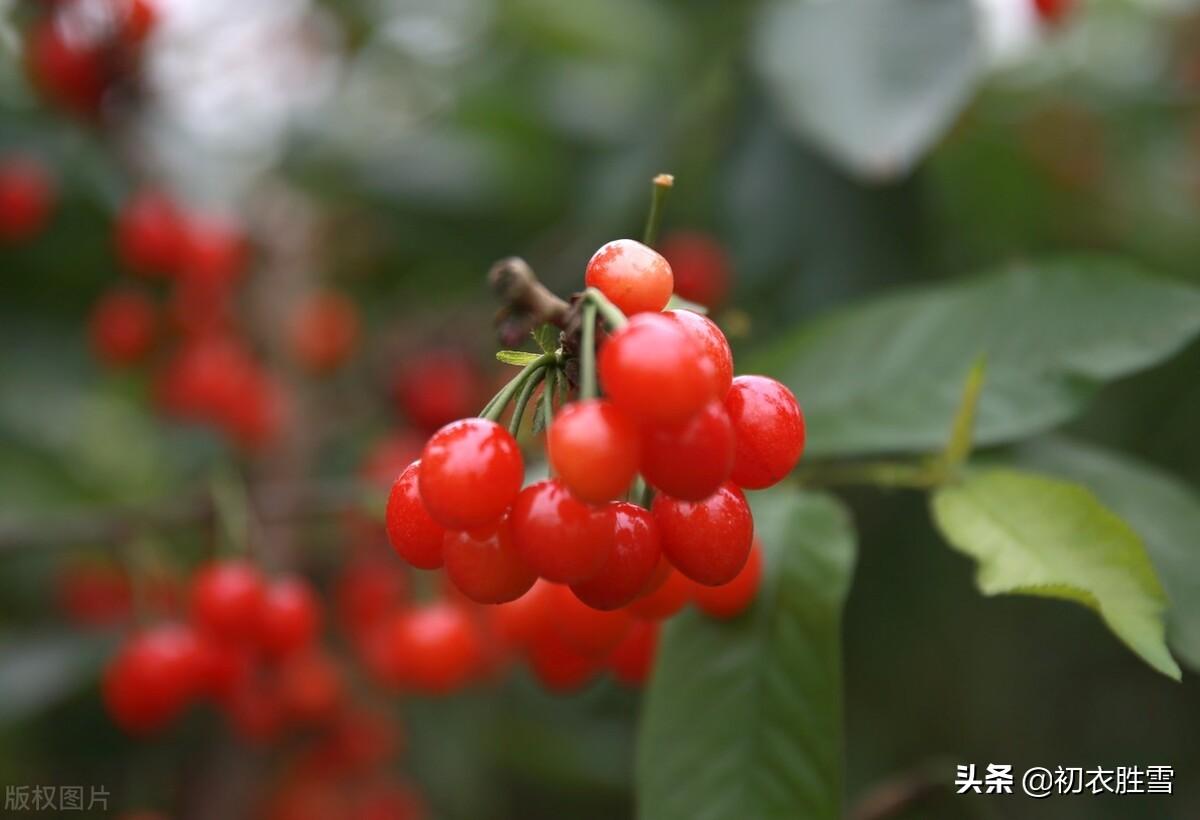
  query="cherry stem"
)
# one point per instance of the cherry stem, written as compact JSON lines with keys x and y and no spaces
{"x":612,"y":315}
{"x":494,"y":408}
{"x":587,"y":352}
{"x":548,"y":396}
{"x":523,"y":399}
{"x":658,"y":198}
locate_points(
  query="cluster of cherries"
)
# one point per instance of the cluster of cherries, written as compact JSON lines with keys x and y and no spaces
{"x":573,"y":566}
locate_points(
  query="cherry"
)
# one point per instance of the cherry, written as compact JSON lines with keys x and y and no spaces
{"x":254,"y":709}
{"x":1053,"y":12}
{"x":223,"y":667}
{"x":140,"y":18}
{"x":712,"y":343}
{"x":517,"y":623}
{"x":654,"y":371}
{"x":150,"y":235}
{"x":390,"y":456}
{"x":324,"y":330}
{"x":436,"y":649}
{"x":198,"y":309}
{"x":93,"y":594}
{"x":311,"y":686}
{"x":709,"y":540}
{"x":485,"y":565}
{"x":667,"y":593}
{"x":227,"y":598}
{"x":437,"y":387}
{"x":769,"y":428}
{"x":152,"y":677}
{"x":26,"y":197}
{"x":368,"y":590}
{"x":69,"y":74}
{"x":591,"y":632}
{"x":632,"y":560}
{"x":558,"y":666}
{"x":559,"y":537}
{"x":471,"y":471}
{"x":701,"y":268}
{"x":412,"y":531}
{"x":213,"y":250}
{"x":634,"y":277}
{"x":256,"y":413}
{"x":287,"y":619}
{"x":690,"y":461}
{"x":632,"y":659}
{"x":593,"y":447}
{"x":731,"y":599}
{"x":122,"y":327}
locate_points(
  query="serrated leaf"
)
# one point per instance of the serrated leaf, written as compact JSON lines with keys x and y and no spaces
{"x":1035,"y":535}
{"x":872,"y":83}
{"x":520,"y":358}
{"x":758,"y":698}
{"x":546,"y":337}
{"x":887,"y":375}
{"x":1163,"y":510}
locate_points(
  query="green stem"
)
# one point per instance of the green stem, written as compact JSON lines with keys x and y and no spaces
{"x":494,"y":408}
{"x":548,"y":396}
{"x":658,"y":198}
{"x":612,"y":315}
{"x":587,"y":352}
{"x":523,"y":399}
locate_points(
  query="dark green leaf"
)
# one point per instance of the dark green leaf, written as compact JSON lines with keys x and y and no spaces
{"x":743,"y":718}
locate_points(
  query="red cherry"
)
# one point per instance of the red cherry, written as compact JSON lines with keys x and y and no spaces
{"x":213,"y":251}
{"x":591,"y":632}
{"x":224,"y":667}
{"x":1053,"y":12}
{"x":150,"y":237}
{"x":558,"y":666}
{"x":517,"y":623}
{"x":631,"y":563}
{"x":122,"y":327}
{"x":70,"y":74}
{"x":712,"y":343}
{"x":437,"y":387}
{"x":731,"y":599}
{"x":26,"y":197}
{"x":632,"y":659}
{"x":701,"y":268}
{"x":667,"y":593}
{"x":93,"y":594}
{"x":388,"y":457}
{"x":288,"y":618}
{"x":654,"y":371}
{"x":471,"y":471}
{"x":769,"y":428}
{"x":141,"y":16}
{"x":690,"y":461}
{"x":227,"y":598}
{"x":200,"y":308}
{"x":255,"y":415}
{"x":709,"y":540}
{"x":311,"y":686}
{"x":413,"y":533}
{"x":367,"y":592}
{"x":634,"y":277}
{"x":152,"y":677}
{"x":485,"y":566}
{"x":255,"y":710}
{"x":324,"y":330}
{"x":559,"y":537}
{"x":436,"y":649}
{"x":593,"y":447}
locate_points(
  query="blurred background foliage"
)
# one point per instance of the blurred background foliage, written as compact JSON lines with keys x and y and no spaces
{"x":435,"y":136}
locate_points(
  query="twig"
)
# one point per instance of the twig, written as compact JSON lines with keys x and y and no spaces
{"x":527,"y":302}
{"x":900,"y":793}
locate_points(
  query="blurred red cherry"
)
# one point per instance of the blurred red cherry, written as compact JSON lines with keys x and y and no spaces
{"x":436,"y":387}
{"x":26,"y":197}
{"x":122,"y":327}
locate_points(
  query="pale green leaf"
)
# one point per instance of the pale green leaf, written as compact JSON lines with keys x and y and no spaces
{"x":520,"y":358}
{"x":546,"y":337}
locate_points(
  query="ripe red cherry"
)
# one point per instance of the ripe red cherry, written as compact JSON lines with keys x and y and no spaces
{"x":369,"y":590}
{"x":471,"y":471}
{"x":712,"y":343}
{"x":769,"y":428}
{"x":214,"y":249}
{"x":152,"y":677}
{"x":438,"y":386}
{"x":731,"y":599}
{"x":150,"y":235}
{"x":654,"y":371}
{"x":311,"y":686}
{"x":412,"y":531}
{"x":667,"y":593}
{"x":287,"y":619}
{"x":485,"y":565}
{"x":593,"y":447}
{"x":631,"y":563}
{"x":255,"y":416}
{"x":1053,"y":12}
{"x":69,"y":74}
{"x":435,"y":649}
{"x":227,"y":599}
{"x":390,"y":456}
{"x":634,"y":277}
{"x":200,"y":308}
{"x":591,"y":632}
{"x":690,"y":461}
{"x":122,"y":327}
{"x":140,"y":18}
{"x":93,"y":594}
{"x":709,"y":540}
{"x":26,"y":197}
{"x":632,"y":659}
{"x":559,"y":537}
{"x":515,"y":625}
{"x":324,"y":330}
{"x":701,"y":268}
{"x":557,"y":665}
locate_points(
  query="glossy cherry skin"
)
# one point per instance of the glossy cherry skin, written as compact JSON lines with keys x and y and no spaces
{"x":288,"y":617}
{"x":485,"y":565}
{"x":150,"y":235}
{"x":708,"y":541}
{"x":702,"y":270}
{"x":632,"y":660}
{"x":122,"y":327}
{"x":152,"y":678}
{"x":436,"y":649}
{"x":666,"y":594}
{"x":592,"y":632}
{"x":227,"y":599}
{"x":653,"y":370}
{"x":769,"y":428}
{"x":634,"y":277}
{"x":731,"y":599}
{"x":633,"y":558}
{"x":26,"y":197}
{"x":412,"y":531}
{"x":593,"y":447}
{"x":471,"y":471}
{"x":324,"y":330}
{"x":712,"y":344}
{"x":691,"y":460}
{"x":558,"y":536}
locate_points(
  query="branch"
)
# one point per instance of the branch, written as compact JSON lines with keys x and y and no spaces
{"x":899,"y":794}
{"x":527,"y":302}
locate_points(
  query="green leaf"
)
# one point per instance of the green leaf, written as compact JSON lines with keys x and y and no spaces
{"x":677,"y":302}
{"x":743,"y":718}
{"x":873,"y":83}
{"x":887,"y":375}
{"x":1034,"y":535}
{"x":37,"y":670}
{"x":547,"y":337}
{"x":520,"y":358}
{"x":1164,"y":511}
